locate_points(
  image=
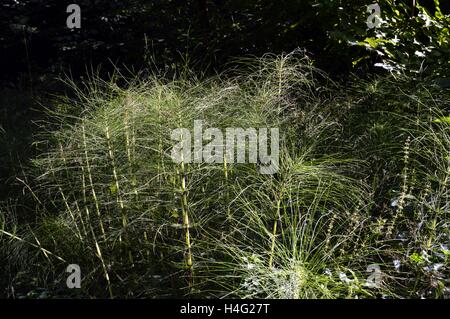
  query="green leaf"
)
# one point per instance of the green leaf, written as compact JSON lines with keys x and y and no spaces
{"x":416,"y":258}
{"x":445,"y":119}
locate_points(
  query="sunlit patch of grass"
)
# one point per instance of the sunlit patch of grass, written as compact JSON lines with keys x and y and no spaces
{"x":105,"y":193}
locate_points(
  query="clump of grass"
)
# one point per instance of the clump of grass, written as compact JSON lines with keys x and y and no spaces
{"x":105,"y":168}
{"x":427,"y":206}
{"x":105,"y":193}
{"x":288,"y":232}
{"x":404,"y":138}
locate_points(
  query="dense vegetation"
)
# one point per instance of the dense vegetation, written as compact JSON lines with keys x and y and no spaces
{"x":364,"y":173}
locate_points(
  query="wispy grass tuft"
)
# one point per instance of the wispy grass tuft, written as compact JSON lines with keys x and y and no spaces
{"x":356,"y":178}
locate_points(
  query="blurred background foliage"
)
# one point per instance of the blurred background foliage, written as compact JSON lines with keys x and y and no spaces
{"x":36,"y":43}
{"x":414,"y":40}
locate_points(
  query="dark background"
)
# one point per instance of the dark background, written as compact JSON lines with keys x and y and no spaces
{"x":34,"y":39}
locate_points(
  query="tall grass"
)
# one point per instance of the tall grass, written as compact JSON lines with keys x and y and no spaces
{"x":104,"y":192}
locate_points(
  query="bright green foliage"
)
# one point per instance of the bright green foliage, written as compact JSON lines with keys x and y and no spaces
{"x":410,"y":40}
